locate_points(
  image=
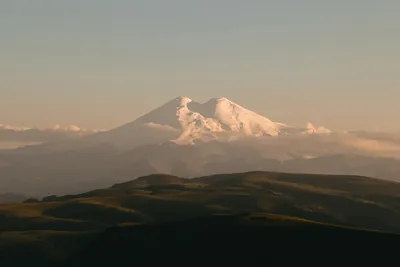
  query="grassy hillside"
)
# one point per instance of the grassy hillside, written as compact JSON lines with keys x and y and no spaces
{"x":346,"y":200}
{"x":350,"y":201}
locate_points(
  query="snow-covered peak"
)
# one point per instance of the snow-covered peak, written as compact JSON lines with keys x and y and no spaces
{"x":219,"y":99}
{"x":185,"y":121}
{"x":240,"y":119}
{"x":184,"y":100}
{"x":210,"y":119}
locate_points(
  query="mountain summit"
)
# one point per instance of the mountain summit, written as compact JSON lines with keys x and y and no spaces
{"x":184,"y":121}
{"x":208,"y":120}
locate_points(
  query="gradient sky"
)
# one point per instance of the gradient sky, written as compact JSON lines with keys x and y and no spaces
{"x":102,"y":63}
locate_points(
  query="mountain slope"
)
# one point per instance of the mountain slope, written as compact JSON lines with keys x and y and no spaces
{"x":184,"y":121}
{"x":227,"y":239}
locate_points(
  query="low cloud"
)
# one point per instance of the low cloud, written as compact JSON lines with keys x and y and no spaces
{"x":17,"y":137}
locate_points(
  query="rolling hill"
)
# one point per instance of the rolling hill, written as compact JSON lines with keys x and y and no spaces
{"x":53,"y":229}
{"x":347,"y":200}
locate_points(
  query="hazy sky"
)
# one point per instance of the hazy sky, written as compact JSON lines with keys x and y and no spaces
{"x":101,"y":63}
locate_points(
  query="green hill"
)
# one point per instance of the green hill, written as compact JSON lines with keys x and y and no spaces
{"x":351,"y":201}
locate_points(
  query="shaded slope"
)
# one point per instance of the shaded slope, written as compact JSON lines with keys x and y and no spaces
{"x":40,"y":248}
{"x":220,"y":239}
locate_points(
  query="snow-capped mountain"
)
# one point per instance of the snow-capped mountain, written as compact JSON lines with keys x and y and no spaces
{"x":181,"y":121}
{"x":218,"y":117}
{"x":185,"y":121}
{"x":212,"y":119}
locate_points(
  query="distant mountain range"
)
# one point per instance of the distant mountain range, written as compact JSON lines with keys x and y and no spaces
{"x":186,"y":138}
